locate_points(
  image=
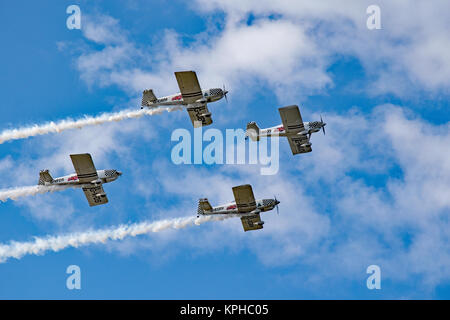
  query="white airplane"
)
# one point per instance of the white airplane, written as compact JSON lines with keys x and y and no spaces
{"x":86,"y":177}
{"x":192,"y":96}
{"x":297,"y":132}
{"x":244,"y":205}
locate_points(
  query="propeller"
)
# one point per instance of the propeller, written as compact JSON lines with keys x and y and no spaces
{"x":323,"y":124}
{"x":225,"y":93}
{"x":276,"y":204}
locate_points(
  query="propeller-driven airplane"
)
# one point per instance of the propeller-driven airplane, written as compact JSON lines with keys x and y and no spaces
{"x":192,"y":96}
{"x":86,"y":177}
{"x":297,"y":132}
{"x":244,"y":205}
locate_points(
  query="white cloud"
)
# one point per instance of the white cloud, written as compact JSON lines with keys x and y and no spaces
{"x":288,"y":46}
{"x":411,"y":46}
{"x":277,"y":52}
{"x":414,"y":204}
{"x":102,"y":29}
{"x":5,"y":165}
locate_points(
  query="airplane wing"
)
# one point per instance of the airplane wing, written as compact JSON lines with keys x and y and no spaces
{"x":199,"y":114}
{"x":291,"y":118}
{"x":148,"y":97}
{"x":292,"y":123}
{"x":95,"y":195}
{"x":245,"y":200}
{"x":84,"y":166}
{"x":189,"y":86}
{"x":299,"y":144}
{"x":252,"y":222}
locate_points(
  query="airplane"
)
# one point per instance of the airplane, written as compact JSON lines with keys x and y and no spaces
{"x":192,"y":96}
{"x":297,"y":132}
{"x":86,"y":177}
{"x":244,"y":205}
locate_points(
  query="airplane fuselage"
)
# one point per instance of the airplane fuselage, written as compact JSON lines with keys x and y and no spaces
{"x":310,"y":127}
{"x":104,"y":176}
{"x":209,"y":95}
{"x":231,"y":208}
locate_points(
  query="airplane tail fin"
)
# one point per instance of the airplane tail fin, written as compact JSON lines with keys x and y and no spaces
{"x":252,"y":131}
{"x":148,"y":97}
{"x":203,"y":205}
{"x":44,"y":176}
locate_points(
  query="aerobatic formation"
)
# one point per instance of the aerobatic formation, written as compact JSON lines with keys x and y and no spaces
{"x":90,"y":180}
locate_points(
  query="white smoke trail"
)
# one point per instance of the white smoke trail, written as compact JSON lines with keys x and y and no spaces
{"x":15,"y":193}
{"x":56,"y":243}
{"x":55,"y":127}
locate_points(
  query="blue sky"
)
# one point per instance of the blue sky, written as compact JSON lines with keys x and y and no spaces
{"x":373,"y":191}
